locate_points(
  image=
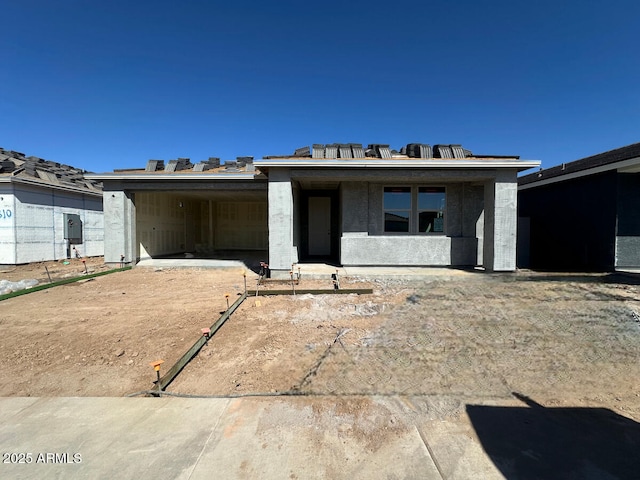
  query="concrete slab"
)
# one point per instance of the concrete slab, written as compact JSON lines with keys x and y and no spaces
{"x":313,"y":270}
{"x":106,"y":437}
{"x":191,"y":263}
{"x":269,"y":438}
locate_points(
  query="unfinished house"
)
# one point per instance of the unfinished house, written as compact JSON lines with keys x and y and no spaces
{"x":582,"y":215}
{"x":48,"y":211}
{"x":420,"y":206}
{"x":343,"y":204}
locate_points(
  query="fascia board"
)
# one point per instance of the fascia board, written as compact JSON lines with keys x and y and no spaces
{"x":169,"y":176}
{"x":37,"y":183}
{"x":426,"y":164}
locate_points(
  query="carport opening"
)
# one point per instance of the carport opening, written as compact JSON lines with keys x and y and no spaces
{"x":225,"y":225}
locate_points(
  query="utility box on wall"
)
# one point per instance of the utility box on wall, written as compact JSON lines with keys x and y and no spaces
{"x":73,"y":228}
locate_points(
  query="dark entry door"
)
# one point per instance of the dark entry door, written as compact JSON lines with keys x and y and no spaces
{"x":320,"y":229}
{"x":319,"y":226}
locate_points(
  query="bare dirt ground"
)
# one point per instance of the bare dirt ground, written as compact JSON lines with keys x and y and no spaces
{"x":559,"y":339}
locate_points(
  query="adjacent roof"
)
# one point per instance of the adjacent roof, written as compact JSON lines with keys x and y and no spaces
{"x":16,"y":167}
{"x":623,"y":159}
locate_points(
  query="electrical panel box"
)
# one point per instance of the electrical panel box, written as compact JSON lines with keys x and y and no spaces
{"x":72,"y":228}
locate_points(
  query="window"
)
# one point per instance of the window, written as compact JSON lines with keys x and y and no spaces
{"x":414,"y":209}
{"x":397,"y":209}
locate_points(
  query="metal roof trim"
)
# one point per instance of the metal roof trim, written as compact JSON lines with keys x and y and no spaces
{"x":172,"y":176}
{"x":401,"y":163}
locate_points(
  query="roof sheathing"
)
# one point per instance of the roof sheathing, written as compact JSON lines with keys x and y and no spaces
{"x":15,"y":166}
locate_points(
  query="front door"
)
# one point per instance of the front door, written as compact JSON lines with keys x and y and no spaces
{"x":319,"y":226}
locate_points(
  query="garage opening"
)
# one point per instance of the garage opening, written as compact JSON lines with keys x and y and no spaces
{"x":228,"y":225}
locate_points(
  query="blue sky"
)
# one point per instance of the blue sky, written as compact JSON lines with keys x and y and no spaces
{"x":111,"y":84}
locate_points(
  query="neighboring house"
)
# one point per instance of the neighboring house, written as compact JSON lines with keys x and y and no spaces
{"x":337,"y":203}
{"x":48,"y":211}
{"x":583,"y":215}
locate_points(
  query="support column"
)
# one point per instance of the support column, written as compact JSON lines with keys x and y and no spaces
{"x":119,"y":227}
{"x":282,"y":253}
{"x":500,"y":222}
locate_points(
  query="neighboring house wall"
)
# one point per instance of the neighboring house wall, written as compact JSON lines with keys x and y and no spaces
{"x":7,"y":225}
{"x":628,"y":224}
{"x":572,"y":223}
{"x":32,"y":224}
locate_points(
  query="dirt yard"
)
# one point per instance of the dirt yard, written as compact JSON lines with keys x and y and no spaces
{"x":558,"y":339}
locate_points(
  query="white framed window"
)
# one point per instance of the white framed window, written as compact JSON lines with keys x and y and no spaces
{"x":414,"y":209}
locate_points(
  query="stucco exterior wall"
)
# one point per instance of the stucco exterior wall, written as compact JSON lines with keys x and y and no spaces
{"x":364,"y":242}
{"x":32,"y":223}
{"x":119,"y":226}
{"x":7,"y":226}
{"x":282,"y":252}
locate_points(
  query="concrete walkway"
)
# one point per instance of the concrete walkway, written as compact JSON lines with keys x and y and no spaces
{"x":248,"y":438}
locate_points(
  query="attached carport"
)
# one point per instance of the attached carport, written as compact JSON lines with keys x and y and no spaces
{"x":187,"y":215}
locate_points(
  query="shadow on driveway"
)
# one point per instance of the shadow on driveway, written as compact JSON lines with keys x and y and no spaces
{"x":535,"y":442}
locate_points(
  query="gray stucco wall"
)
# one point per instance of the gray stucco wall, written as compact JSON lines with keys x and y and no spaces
{"x":500,"y":217}
{"x":282,"y":252}
{"x":364,"y":242}
{"x":119,"y":226}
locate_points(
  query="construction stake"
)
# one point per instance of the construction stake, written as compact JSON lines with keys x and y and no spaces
{"x":48,"y":275}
